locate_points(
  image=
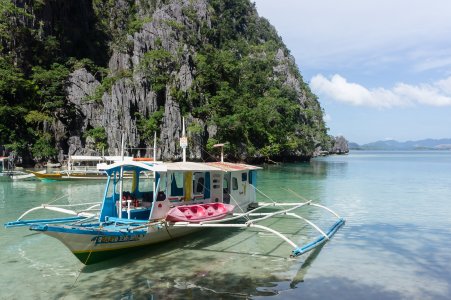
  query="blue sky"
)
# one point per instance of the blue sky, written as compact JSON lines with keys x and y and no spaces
{"x":381,"y":69}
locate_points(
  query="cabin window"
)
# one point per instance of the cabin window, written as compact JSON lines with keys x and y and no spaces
{"x":199,"y":182}
{"x":234,"y":183}
{"x":225,"y":186}
{"x":243,"y":177}
{"x":177,"y":184}
{"x":127,"y":184}
{"x":110,"y":190}
{"x":200,"y":185}
{"x":162,"y":187}
{"x":251,"y":177}
{"x":145,"y":184}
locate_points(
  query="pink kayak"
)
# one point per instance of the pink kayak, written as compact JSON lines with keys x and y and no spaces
{"x":199,"y":212}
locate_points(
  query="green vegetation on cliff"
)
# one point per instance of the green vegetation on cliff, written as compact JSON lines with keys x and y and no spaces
{"x":244,"y":82}
{"x":36,"y":58}
{"x":237,"y":90}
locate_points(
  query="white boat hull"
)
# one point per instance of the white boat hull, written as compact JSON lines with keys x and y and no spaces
{"x":93,"y":246}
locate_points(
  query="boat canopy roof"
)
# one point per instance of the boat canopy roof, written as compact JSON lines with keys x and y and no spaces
{"x":191,"y":166}
{"x":211,"y":166}
{"x":178,"y":166}
{"x":136,"y":165}
{"x":230,"y":167}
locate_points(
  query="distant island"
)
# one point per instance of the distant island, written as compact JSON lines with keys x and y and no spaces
{"x":427,"y":144}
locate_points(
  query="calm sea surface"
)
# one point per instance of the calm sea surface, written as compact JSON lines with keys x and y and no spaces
{"x":396,"y":243}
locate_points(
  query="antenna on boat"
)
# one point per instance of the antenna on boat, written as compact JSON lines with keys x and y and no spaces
{"x":119,"y":206}
{"x":222,"y":150}
{"x":183,"y":141}
{"x":155,"y":146}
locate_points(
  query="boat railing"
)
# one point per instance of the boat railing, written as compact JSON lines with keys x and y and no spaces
{"x":91,"y":211}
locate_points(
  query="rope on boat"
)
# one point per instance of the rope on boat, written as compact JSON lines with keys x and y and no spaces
{"x":88,"y":219}
{"x":326,"y":208}
{"x":239,"y":215}
{"x":79,"y":273}
{"x":290,"y":215}
{"x":77,"y":204}
{"x":263,"y":193}
{"x":298,"y":250}
{"x":60,"y":209}
{"x":314,"y":204}
{"x":147,"y":225}
{"x":296,"y":194}
{"x":310,"y":223}
{"x":285,"y":211}
{"x":58,"y":199}
{"x":236,"y":202}
{"x":89,"y":255}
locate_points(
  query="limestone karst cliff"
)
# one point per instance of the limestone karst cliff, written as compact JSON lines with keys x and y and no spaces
{"x":136,"y":67}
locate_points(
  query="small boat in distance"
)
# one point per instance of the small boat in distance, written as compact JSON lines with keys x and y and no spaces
{"x":83,"y":167}
{"x":8,"y":171}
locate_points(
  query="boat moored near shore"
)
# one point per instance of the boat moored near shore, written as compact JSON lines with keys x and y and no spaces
{"x":164,"y":201}
{"x":180,"y":198}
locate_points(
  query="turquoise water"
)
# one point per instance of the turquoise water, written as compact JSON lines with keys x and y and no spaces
{"x":396,"y":243}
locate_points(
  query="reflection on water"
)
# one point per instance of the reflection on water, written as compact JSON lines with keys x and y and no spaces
{"x":215,"y":263}
{"x":395,"y":244}
{"x":204,"y":268}
{"x":3,"y":194}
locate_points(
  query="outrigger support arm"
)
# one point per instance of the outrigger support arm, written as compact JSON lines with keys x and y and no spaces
{"x":292,"y":215}
{"x":210,"y":225}
{"x":298,"y":250}
{"x":285,"y":211}
{"x":80,"y":215}
{"x":20,"y":223}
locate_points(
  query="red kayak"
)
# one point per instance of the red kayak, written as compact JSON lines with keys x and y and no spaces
{"x":199,"y":212}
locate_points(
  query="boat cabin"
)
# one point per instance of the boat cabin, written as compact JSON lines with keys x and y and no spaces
{"x":155,"y":188}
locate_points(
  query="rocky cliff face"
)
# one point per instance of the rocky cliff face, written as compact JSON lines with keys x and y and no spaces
{"x":154,"y":67}
{"x":134,"y":94}
{"x":340,"y":146}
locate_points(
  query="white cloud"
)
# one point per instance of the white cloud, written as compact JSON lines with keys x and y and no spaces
{"x":339,"y":89}
{"x":445,"y":85}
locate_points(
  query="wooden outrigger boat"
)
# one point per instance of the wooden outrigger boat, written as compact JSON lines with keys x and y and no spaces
{"x":82,"y":167}
{"x":148,"y":209}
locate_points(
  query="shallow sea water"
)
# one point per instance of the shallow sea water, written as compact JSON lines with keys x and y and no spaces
{"x":395,"y":244}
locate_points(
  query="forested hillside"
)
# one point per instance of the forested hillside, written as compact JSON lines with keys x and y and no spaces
{"x":75,"y":75}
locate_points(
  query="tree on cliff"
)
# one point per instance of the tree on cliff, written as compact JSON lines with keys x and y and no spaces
{"x":138,"y":66}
